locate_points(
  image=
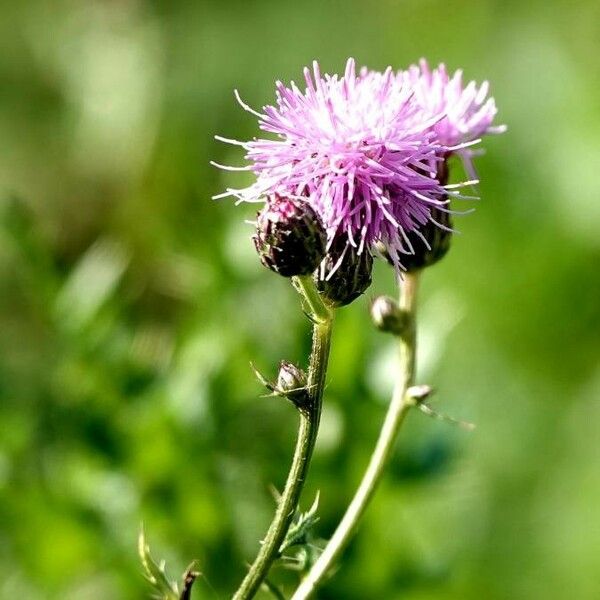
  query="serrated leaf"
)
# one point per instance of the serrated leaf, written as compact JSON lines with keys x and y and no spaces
{"x":300,"y":530}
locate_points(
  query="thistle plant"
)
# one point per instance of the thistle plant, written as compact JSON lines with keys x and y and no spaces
{"x":357,"y":169}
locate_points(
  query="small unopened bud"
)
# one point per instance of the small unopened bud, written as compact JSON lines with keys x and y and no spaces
{"x":291,"y":383}
{"x":419,"y":393}
{"x":290,"y":238}
{"x":290,"y":378}
{"x":387,"y":315}
{"x":350,"y":278}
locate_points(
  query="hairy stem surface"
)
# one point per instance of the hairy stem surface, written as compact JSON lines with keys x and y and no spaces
{"x":322,"y":318}
{"x":397,"y":411}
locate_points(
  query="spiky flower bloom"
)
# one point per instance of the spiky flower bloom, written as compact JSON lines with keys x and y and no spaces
{"x":368,"y":151}
{"x":358,"y":149}
{"x":468,"y":112}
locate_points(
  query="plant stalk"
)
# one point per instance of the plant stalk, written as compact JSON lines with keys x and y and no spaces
{"x":322,"y":317}
{"x":397,"y":411}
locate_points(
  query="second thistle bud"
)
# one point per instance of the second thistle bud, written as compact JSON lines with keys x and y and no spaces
{"x":344,"y":274}
{"x":437,"y":238}
{"x":424,"y":255}
{"x":290,"y":238}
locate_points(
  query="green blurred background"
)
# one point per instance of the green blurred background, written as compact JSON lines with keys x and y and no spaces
{"x":131,"y":305}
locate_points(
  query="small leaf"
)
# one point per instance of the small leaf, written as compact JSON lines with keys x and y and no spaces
{"x":155,"y":573}
{"x":300,"y":530}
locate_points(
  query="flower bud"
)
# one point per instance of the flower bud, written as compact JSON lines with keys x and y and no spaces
{"x":419,"y":393}
{"x":291,"y":383}
{"x":341,"y":284}
{"x":387,"y":315}
{"x":290,"y":238}
{"x":437,"y":238}
{"x":290,"y":377}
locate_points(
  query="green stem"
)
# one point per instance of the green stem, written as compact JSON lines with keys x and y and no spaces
{"x":319,"y":311}
{"x":398,"y":409}
{"x":307,"y":434}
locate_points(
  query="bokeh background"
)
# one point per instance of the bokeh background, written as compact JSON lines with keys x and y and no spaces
{"x":131,"y":305}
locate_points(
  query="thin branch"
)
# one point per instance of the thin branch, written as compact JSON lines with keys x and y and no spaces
{"x":398,"y":409}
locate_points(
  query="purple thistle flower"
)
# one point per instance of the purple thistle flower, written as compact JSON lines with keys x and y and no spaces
{"x":356,"y":148}
{"x":363,"y":151}
{"x":468,"y":112}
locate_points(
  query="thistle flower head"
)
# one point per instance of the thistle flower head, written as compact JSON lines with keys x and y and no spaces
{"x":367,"y":150}
{"x":358,"y":149}
{"x":468,"y":112}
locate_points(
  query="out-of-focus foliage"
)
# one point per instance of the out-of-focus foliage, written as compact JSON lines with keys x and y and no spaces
{"x":131,"y":305}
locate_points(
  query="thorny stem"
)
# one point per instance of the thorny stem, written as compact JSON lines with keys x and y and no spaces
{"x":398,"y":409}
{"x":322,"y":317}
